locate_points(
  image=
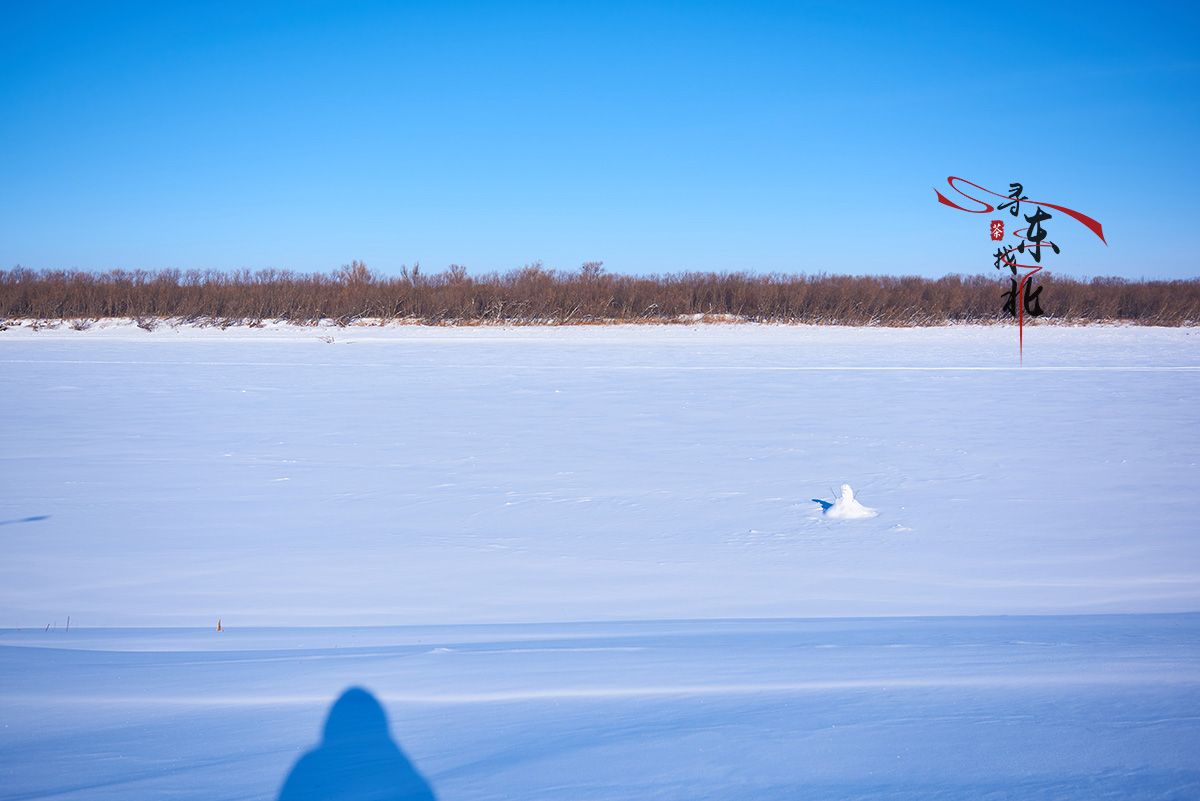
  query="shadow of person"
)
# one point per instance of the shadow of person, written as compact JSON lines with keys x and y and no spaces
{"x":357,"y":760}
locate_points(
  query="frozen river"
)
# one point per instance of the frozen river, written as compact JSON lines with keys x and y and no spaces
{"x":643,"y":501}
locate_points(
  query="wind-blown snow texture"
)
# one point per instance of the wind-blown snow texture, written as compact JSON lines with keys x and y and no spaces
{"x":937,"y":708}
{"x":425,"y":477}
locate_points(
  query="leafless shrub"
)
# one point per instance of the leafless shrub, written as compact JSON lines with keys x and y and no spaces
{"x":535,"y":295}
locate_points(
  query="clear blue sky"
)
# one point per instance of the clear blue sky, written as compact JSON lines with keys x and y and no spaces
{"x":656,"y":137}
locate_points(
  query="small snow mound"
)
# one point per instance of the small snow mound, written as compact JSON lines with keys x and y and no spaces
{"x":847,"y":508}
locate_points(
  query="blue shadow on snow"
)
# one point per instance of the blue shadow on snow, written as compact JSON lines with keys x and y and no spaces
{"x":357,"y":760}
{"x":33,"y":519}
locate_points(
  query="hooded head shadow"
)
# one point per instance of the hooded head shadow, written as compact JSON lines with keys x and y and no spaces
{"x":357,"y":760}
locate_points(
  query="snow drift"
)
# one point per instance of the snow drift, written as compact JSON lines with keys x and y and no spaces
{"x":847,"y":508}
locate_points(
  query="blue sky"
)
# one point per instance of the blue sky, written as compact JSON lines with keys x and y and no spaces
{"x":656,"y":137}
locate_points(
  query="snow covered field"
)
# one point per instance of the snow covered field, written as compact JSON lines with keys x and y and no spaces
{"x":450,"y":500}
{"x":914,"y":708}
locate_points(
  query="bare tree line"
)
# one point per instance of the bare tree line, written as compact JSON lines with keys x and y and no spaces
{"x":535,"y":295}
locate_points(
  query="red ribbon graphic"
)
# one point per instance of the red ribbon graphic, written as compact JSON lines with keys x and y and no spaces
{"x":1092,"y":225}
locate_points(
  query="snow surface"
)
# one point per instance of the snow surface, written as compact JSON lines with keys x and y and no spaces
{"x":413,"y":475}
{"x":446,"y":498}
{"x":900,"y":708}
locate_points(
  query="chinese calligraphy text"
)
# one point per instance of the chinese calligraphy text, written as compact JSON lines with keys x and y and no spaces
{"x":1021,"y":298}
